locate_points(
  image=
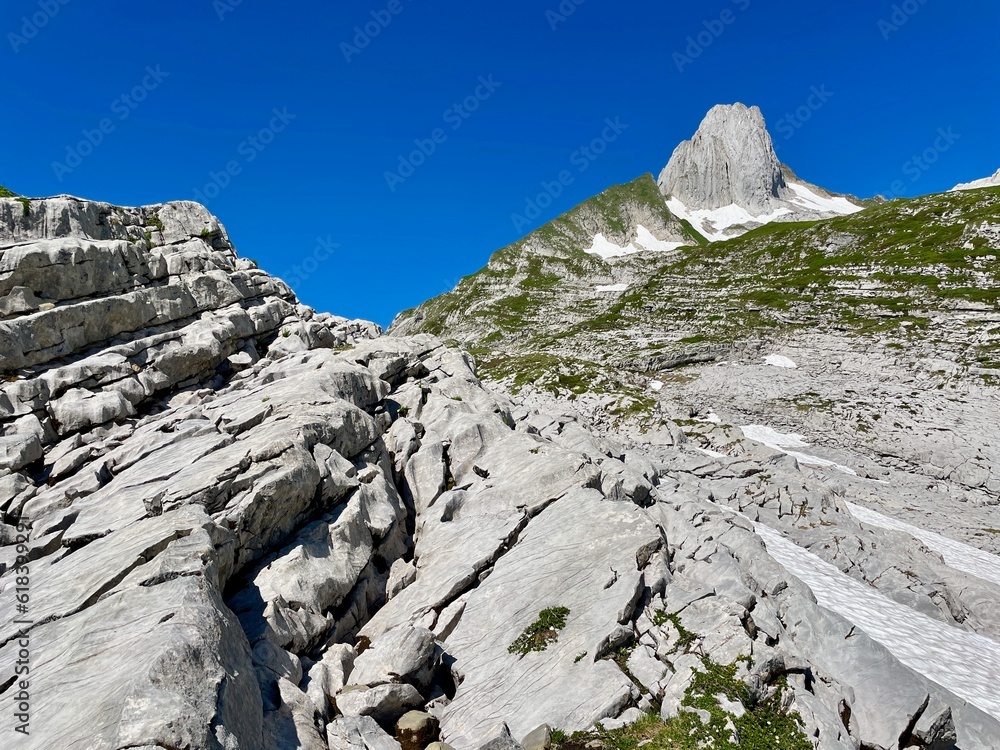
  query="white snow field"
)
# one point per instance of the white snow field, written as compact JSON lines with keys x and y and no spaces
{"x":643,"y":242}
{"x":611,"y":288}
{"x":782,"y":442}
{"x":713,"y":222}
{"x":956,"y":554}
{"x":966,"y":663}
{"x":709,"y":452}
{"x":986,"y":182}
{"x":806,"y":198}
{"x":776,"y":360}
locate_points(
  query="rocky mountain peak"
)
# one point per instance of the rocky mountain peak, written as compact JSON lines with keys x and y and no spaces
{"x":729,"y":161}
{"x":727,"y":179}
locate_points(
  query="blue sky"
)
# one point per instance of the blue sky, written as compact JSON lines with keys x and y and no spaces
{"x":176,"y":98}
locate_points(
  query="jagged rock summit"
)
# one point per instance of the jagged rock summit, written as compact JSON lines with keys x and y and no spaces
{"x":730,"y":160}
{"x":728,"y":179}
{"x":986,"y":182}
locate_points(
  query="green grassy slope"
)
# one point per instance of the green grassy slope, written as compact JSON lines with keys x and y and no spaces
{"x":523,"y":280}
{"x":921,"y":271}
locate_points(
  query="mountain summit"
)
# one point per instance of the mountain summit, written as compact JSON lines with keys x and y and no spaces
{"x":730,"y":160}
{"x":727,"y":179}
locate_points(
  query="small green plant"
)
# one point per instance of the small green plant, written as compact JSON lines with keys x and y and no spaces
{"x":559,"y":736}
{"x":686,"y":639}
{"x":25,"y":206}
{"x":456,"y":398}
{"x":579,"y":657}
{"x":764,"y":725}
{"x":5,"y":193}
{"x":403,"y":411}
{"x":156,"y":222}
{"x":265,"y":399}
{"x":543,"y":631}
{"x":206,"y":232}
{"x":285,"y":333}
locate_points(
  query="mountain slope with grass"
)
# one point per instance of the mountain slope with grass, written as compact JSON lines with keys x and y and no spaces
{"x":560,"y":263}
{"x":919,"y":271}
{"x":875,"y":333}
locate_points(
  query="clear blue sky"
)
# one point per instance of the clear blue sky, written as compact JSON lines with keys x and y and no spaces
{"x":889,"y":90}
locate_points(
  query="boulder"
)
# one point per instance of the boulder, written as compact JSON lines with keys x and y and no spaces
{"x":384,"y":703}
{"x":415,"y":730}
{"x":405,"y":654}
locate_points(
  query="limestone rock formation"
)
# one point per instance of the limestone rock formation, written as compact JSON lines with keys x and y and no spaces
{"x":728,"y":179}
{"x":730,"y":160}
{"x":244,"y":524}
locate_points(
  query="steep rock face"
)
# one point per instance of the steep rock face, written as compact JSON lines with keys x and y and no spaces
{"x":727,"y":179}
{"x":730,"y":160}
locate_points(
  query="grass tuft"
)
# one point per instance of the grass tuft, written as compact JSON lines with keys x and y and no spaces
{"x":542,"y":632}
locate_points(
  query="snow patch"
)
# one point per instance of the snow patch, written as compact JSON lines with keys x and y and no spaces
{"x":782,"y":442}
{"x":957,"y":555}
{"x":656,"y":385}
{"x":643,"y":242}
{"x":612,"y":288}
{"x":961,"y":661}
{"x":986,"y":182}
{"x":713,"y":454}
{"x":712,"y":222}
{"x":772,"y":438}
{"x":776,"y":360}
{"x":806,"y":198}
